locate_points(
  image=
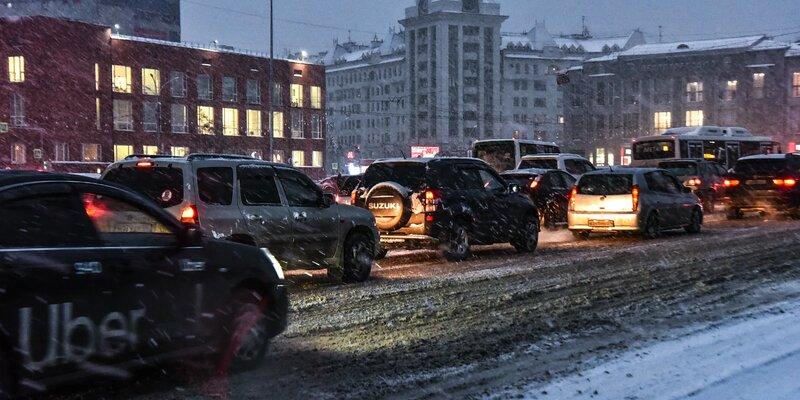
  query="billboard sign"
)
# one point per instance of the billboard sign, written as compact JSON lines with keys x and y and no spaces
{"x":424,"y":151}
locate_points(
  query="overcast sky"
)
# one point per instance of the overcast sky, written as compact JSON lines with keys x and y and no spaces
{"x":313,"y":24}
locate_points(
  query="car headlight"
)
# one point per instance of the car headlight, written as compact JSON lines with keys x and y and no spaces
{"x":276,"y":265}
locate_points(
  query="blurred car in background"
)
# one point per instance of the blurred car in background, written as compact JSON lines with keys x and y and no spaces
{"x":705,"y":178}
{"x":572,"y":164}
{"x":341,"y":186}
{"x":549,"y":189}
{"x":767,"y":183}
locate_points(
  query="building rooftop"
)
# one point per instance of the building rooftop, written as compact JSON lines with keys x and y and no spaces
{"x":538,"y":38}
{"x":759,"y":42}
{"x":794,"y":50}
{"x":391,"y":43}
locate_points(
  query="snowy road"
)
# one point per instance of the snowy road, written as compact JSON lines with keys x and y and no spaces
{"x":503,"y":325}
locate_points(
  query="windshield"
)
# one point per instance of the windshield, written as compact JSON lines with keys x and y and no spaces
{"x":605,"y":185}
{"x":547,"y":163}
{"x":680,"y":168}
{"x":499,"y":155}
{"x":162,"y":185}
{"x":408,"y":174}
{"x":654,"y":150}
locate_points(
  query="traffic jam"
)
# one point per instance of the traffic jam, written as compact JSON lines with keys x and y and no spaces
{"x":169,"y":258}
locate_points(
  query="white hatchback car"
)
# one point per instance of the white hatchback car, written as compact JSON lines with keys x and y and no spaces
{"x":572,"y":164}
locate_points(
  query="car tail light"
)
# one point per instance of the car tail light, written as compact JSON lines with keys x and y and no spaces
{"x":635,"y":198}
{"x":731,"y":182}
{"x":572,"y":194}
{"x":189,"y":215}
{"x":789,"y":182}
{"x":145,"y":164}
{"x":431,"y":198}
{"x":693,"y":182}
{"x":534,"y":184}
{"x":353,"y":197}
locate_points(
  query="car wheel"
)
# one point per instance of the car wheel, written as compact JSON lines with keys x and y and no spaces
{"x":382,"y":252}
{"x":734,"y":213}
{"x":6,"y":385}
{"x":358,"y":258}
{"x":248,"y":330}
{"x":696,"y":222}
{"x":581,"y":235}
{"x":455,"y":246}
{"x":528,"y":239}
{"x":652,"y":230}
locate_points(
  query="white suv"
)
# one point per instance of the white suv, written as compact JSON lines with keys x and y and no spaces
{"x":572,"y":164}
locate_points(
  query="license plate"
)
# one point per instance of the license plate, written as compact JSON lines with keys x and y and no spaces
{"x":756,"y":182}
{"x":601,"y":223}
{"x":392,"y":240}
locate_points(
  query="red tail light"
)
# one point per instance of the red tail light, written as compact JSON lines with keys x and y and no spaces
{"x":189,"y":215}
{"x":534,"y":184}
{"x":431,"y":198}
{"x":731,"y":182}
{"x":789,"y":182}
{"x":635,"y":198}
{"x":693,"y":182}
{"x":572,"y":194}
{"x":145,"y":164}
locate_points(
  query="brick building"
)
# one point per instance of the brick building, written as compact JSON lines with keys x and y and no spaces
{"x":76,"y":97}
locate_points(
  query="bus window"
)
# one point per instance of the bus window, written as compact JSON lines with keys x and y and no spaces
{"x":714,"y":150}
{"x":529,"y":149}
{"x":500,"y":155}
{"x":750,"y":148}
{"x":695,"y":150}
{"x":654,"y":150}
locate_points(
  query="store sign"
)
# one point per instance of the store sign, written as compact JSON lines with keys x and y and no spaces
{"x":424,"y":151}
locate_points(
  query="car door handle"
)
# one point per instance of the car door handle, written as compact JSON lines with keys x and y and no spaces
{"x":192,"y":266}
{"x":299,"y":216}
{"x":254,"y":218}
{"x":89,"y":267}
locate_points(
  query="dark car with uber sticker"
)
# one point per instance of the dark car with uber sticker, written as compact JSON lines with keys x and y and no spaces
{"x":447,"y":202}
{"x":95,"y":278}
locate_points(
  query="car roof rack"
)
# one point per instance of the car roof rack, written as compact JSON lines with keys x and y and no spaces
{"x":206,"y":156}
{"x":137,"y":156}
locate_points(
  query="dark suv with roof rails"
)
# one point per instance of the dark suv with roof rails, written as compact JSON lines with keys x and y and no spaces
{"x":449,"y":203}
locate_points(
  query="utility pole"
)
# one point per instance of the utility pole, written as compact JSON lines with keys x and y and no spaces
{"x":270,"y":88}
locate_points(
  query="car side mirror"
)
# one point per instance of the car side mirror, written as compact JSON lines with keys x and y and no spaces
{"x":190,"y":236}
{"x":514,"y":188}
{"x":328,"y":199}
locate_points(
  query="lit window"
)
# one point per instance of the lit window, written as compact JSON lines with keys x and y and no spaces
{"x":229,"y":89}
{"x":17,"y":110}
{"x":230,"y":121}
{"x":600,"y":158}
{"x":297,"y":124}
{"x":253,"y":123}
{"x":121,"y":151}
{"x":98,"y":122}
{"x":90,"y":152}
{"x":316,"y":97}
{"x":662,"y":121}
{"x":278,"y":157}
{"x":694,"y":91}
{"x":729,"y":92}
{"x":177,"y":83}
{"x":18,"y":153}
{"x":96,"y":76}
{"x":205,"y":91}
{"x":121,"y":78}
{"x":123,"y":115}
{"x":796,"y":84}
{"x":179,"y":120}
{"x":179,"y":151}
{"x":316,"y":159}
{"x":298,"y":158}
{"x":296,"y":94}
{"x":150,"y":110}
{"x":151,"y":81}
{"x":316,"y":127}
{"x":16,"y":69}
{"x":253,"y":91}
{"x":694,"y":118}
{"x":150,"y":150}
{"x":560,"y":119}
{"x":205,"y":120}
{"x":277,"y":124}
{"x":60,"y":152}
{"x":758,"y":85}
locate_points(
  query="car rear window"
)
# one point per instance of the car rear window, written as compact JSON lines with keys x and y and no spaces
{"x":765,"y":167}
{"x":541,"y":164}
{"x":215,"y":185}
{"x":680,"y":168}
{"x":408,"y":174}
{"x":160,"y":184}
{"x":605,"y":185}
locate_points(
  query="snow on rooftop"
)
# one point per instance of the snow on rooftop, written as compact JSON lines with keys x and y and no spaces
{"x":758,"y":42}
{"x":344,"y":67}
{"x":593,"y":45}
{"x":794,"y":50}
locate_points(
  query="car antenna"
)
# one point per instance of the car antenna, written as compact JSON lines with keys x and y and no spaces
{"x":402,"y":154}
{"x":611,"y":168}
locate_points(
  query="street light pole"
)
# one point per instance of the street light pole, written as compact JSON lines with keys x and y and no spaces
{"x":270,"y":88}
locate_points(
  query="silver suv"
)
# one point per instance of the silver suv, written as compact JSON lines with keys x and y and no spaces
{"x":257,"y":203}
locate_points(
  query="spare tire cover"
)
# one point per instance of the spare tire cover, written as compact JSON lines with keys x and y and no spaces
{"x":390,"y":204}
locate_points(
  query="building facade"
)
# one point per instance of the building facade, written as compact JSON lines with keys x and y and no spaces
{"x":77,"y":96}
{"x":753,"y":82}
{"x":156,"y":19}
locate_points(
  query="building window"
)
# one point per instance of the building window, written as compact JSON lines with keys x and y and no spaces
{"x":540,"y":103}
{"x":177,"y":84}
{"x":729,"y":91}
{"x":758,"y":85}
{"x":18,"y":153}
{"x":316,"y":159}
{"x":17,"y":110}
{"x":296,"y":94}
{"x":151,"y":81}
{"x":600,"y":94}
{"x":230,"y":122}
{"x":123,"y":115}
{"x":229,"y":89}
{"x":179,"y":151}
{"x":205,"y":91}
{"x":91,"y":152}
{"x":316,"y":127}
{"x":297,"y":124}
{"x":121,"y":151}
{"x":694,"y":92}
{"x":694,"y":118}
{"x":60,"y":152}
{"x":205,"y":120}
{"x":149,"y":150}
{"x":796,"y":84}
{"x":96,"y":76}
{"x":98,"y":122}
{"x":277,"y":124}
{"x":150,"y":116}
{"x":662,"y":121}
{"x":316,"y":97}
{"x":253,"y":91}
{"x":179,"y":120}
{"x":600,"y":157}
{"x":16,"y":69}
{"x":278,"y":156}
{"x":298,"y":158}
{"x":277,"y":94}
{"x":253,"y":122}
{"x":121,"y":79}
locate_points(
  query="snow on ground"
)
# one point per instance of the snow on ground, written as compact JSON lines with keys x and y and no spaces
{"x":757,"y":357}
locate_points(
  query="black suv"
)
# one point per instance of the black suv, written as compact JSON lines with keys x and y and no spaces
{"x":549,"y":189}
{"x":704,"y":177}
{"x":764,"y":183}
{"x":452,"y":203}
